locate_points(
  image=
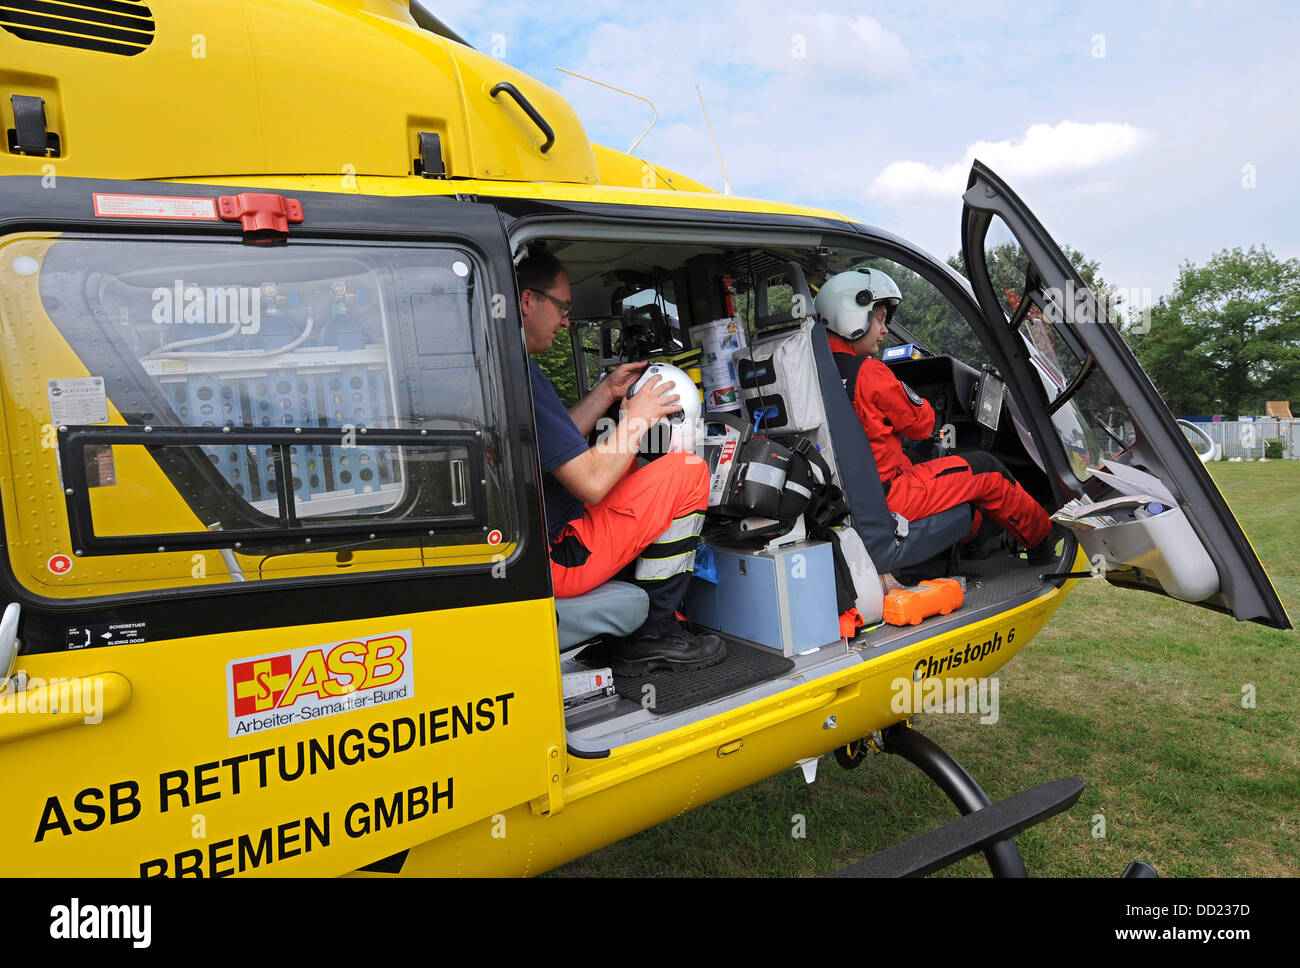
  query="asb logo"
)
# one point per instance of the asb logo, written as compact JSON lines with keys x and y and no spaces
{"x":268,"y":691}
{"x":259,"y":685}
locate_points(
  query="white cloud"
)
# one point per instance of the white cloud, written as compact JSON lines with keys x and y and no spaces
{"x":1044,"y":151}
{"x":829,"y":47}
{"x":859,"y":45}
{"x":790,"y":64}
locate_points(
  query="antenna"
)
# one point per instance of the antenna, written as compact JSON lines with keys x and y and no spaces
{"x":726,"y":185}
{"x":620,"y":91}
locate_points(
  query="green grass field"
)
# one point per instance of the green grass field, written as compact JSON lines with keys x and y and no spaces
{"x":1139,"y":695}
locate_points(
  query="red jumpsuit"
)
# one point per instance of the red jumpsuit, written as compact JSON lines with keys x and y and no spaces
{"x":890,"y":410}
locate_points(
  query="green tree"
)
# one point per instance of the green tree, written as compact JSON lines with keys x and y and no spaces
{"x":557,"y":364}
{"x":1228,"y":337}
{"x":1172,"y":357}
{"x":929,"y":316}
{"x":1007,"y":264}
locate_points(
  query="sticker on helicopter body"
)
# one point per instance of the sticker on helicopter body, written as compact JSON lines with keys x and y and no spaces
{"x":59,"y":564}
{"x":154,"y":206}
{"x":116,"y":633}
{"x":77,"y":401}
{"x":494,"y":537}
{"x":279,"y":689}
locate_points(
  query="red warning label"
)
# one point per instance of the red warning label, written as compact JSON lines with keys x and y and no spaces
{"x":154,"y":206}
{"x":59,"y":564}
{"x":494,"y":537}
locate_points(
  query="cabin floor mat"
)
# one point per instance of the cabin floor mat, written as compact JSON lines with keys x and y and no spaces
{"x":999,"y":578}
{"x":744,"y":666}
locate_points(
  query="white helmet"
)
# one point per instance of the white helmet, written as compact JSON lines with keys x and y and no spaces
{"x":848,"y":300}
{"x":679,"y":430}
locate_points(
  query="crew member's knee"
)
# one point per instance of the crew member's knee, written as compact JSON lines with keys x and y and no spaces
{"x":982,"y":462}
{"x":689,"y":475}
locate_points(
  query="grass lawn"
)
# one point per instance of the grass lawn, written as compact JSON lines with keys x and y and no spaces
{"x":1139,"y":695}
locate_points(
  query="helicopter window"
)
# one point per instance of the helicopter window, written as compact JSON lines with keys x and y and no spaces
{"x":1087,"y":413}
{"x":658,"y":296}
{"x":258,"y":398}
{"x":638,"y":301}
{"x":928,"y":316}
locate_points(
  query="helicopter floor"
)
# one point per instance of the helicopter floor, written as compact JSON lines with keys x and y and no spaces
{"x":994,"y":584}
{"x":744,"y":666}
{"x":990,"y":582}
{"x":996,"y":578}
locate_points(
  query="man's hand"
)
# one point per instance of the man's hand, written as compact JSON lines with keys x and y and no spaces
{"x":591,"y":475}
{"x":603,"y":395}
{"x":621,"y":379}
{"x":654,"y":400}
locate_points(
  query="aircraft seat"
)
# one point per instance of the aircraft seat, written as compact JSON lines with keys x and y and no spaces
{"x":614,"y":608}
{"x":793,"y":377}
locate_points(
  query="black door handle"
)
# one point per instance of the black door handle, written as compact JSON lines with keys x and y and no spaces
{"x":528,"y":109}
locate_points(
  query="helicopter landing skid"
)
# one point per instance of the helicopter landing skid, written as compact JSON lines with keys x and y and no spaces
{"x":984,"y":825}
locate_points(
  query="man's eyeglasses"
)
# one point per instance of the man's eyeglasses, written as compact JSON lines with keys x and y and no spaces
{"x":564,"y":307}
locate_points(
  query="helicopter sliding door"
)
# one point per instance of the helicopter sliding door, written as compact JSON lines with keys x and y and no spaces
{"x":1146,"y":510}
{"x":273,"y":568}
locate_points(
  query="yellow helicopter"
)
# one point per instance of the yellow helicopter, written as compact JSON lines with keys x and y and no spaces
{"x":277,"y":587}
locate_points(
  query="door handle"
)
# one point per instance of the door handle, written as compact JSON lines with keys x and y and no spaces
{"x":8,"y":643}
{"x":459,"y":497}
{"x":45,"y":706}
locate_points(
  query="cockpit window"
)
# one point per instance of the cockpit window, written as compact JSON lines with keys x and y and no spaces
{"x":928,"y":316}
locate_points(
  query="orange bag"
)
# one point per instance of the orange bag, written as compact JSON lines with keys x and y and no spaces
{"x":908,"y":606}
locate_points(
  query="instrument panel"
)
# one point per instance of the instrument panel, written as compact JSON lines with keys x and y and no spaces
{"x":953,"y":388}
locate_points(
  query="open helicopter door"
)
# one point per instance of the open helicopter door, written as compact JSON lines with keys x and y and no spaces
{"x":1144,"y":508}
{"x":277,"y":587}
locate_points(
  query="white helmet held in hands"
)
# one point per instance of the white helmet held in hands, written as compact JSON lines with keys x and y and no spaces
{"x":679,"y":430}
{"x":847,"y":301}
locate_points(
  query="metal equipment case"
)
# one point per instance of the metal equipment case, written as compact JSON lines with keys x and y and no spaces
{"x":783,"y":599}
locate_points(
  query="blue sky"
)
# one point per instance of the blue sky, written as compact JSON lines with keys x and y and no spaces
{"x":1144,"y":134}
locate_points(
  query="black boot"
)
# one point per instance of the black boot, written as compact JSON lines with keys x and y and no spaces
{"x":1045,"y":553}
{"x":984,"y":543}
{"x":675,"y":649}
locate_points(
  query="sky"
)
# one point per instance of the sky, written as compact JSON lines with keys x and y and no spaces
{"x":1144,"y":134}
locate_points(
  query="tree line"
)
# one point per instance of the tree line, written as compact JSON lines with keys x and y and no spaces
{"x":1227,"y":338}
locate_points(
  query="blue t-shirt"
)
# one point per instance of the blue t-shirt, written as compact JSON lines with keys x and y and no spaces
{"x":558,"y":442}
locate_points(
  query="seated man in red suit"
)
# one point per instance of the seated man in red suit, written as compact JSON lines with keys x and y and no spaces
{"x":856,"y":307}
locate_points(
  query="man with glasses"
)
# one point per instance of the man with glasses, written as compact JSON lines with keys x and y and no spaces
{"x":603,"y":515}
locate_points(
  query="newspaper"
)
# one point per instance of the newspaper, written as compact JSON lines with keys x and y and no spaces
{"x":1136,"y":489}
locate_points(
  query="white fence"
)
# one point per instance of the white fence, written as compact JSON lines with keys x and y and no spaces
{"x":1245,"y":438}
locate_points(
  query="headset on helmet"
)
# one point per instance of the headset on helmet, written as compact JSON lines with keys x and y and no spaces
{"x":847,"y":301}
{"x":680,"y":430}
